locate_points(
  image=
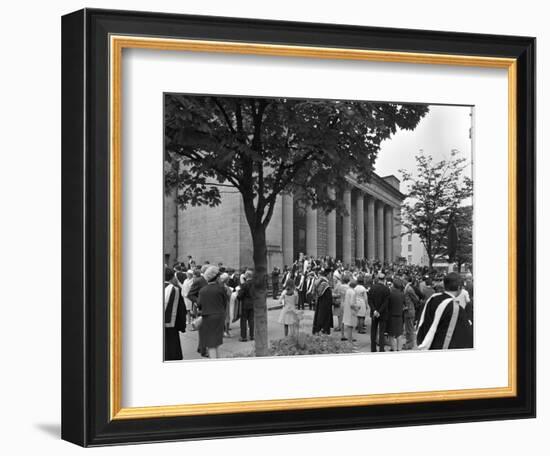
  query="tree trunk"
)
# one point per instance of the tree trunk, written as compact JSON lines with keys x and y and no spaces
{"x":260,"y":291}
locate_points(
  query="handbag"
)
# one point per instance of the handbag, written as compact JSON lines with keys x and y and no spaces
{"x":196,"y":323}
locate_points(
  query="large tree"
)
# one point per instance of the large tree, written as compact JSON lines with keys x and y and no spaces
{"x":463,"y":221}
{"x":264,"y":147}
{"x":436,"y":192}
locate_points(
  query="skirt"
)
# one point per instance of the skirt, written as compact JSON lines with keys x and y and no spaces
{"x":211,"y":330}
{"x":395,"y":325}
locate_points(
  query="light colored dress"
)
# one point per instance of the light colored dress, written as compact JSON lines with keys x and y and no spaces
{"x":288,"y":312}
{"x":185,"y":291}
{"x":349,"y":308}
{"x":361,"y":300}
{"x":232,"y":301}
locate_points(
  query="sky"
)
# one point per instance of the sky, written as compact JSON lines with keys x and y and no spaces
{"x":444,"y":128}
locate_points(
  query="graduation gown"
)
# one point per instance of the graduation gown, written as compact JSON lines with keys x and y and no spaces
{"x":174,"y":321}
{"x":323,"y":319}
{"x":444,"y":324}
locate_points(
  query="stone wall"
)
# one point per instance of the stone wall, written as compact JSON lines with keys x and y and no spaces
{"x":212,"y":233}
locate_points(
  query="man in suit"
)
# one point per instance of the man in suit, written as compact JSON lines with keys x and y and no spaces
{"x":245,"y":295}
{"x":444,"y":322}
{"x":174,"y":318}
{"x":310,"y":285}
{"x":300,"y":282}
{"x":378,"y":297}
{"x":275,"y":281}
{"x":411,"y":303}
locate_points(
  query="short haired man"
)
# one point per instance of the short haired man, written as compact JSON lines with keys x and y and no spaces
{"x":412,"y":302}
{"x":378,"y":297}
{"x":245,"y":295}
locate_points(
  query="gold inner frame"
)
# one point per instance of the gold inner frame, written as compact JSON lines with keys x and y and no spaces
{"x":117,"y":44}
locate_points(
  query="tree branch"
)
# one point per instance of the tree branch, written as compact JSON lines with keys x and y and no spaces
{"x":224,"y":113}
{"x":234,"y":179}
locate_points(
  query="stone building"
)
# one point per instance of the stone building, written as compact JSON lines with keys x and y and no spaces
{"x":414,"y":251}
{"x":221,"y":234}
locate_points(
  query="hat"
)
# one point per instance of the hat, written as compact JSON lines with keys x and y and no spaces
{"x":211,"y":273}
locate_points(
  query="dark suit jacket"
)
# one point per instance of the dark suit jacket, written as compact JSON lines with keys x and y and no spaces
{"x":245,"y":295}
{"x":198,"y":283}
{"x":212,"y":299}
{"x":378,"y":297}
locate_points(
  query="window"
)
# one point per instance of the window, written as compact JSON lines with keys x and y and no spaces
{"x":410,"y":259}
{"x":410,"y":248}
{"x":410,"y":237}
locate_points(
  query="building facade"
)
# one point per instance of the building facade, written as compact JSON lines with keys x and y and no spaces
{"x":371,"y":229}
{"x":413,"y":250}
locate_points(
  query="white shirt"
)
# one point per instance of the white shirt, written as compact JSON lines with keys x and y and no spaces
{"x":463,"y":298}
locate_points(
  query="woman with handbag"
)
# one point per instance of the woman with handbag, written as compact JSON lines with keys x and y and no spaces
{"x":212,"y":304}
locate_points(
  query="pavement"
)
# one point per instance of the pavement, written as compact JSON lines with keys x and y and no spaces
{"x":232,"y":346}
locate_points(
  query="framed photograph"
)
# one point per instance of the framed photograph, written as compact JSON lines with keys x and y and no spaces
{"x":278,"y":227}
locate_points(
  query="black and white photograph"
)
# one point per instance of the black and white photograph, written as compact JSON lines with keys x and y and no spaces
{"x":316,"y":226}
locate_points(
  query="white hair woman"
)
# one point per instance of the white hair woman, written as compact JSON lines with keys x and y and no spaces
{"x":212,"y":303}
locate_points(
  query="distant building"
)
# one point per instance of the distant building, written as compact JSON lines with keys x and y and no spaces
{"x":413,"y":250}
{"x":221,"y":234}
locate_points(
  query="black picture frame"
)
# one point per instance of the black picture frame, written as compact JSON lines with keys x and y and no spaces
{"x":85,"y":227}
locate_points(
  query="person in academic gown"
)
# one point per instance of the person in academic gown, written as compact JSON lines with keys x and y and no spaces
{"x":174,"y":318}
{"x":444,"y":322}
{"x":323,"y":319}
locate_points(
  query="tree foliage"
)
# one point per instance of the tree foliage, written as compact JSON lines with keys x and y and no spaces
{"x":265,"y":146}
{"x":463,"y":221}
{"x":435,"y":195}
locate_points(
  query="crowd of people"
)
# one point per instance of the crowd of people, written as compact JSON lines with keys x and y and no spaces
{"x":422,"y":307}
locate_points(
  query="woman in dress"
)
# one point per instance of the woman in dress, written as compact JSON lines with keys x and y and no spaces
{"x":289,"y":301}
{"x":224,"y":279}
{"x":186,"y":287}
{"x":361,"y":300}
{"x":396,"y":305}
{"x":212,"y":303}
{"x":349,"y":311}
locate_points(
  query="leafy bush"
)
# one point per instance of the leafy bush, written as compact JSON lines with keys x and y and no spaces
{"x":303,"y":344}
{"x":308,"y":344}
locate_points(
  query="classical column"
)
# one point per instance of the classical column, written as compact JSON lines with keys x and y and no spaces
{"x":288,"y":229}
{"x":396,"y":232}
{"x":380,"y":230}
{"x":331,"y":228}
{"x":346,"y":229}
{"x":388,"y":233}
{"x":371,"y":242}
{"x":360,"y":237}
{"x":311,"y":231}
